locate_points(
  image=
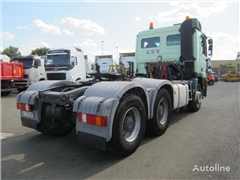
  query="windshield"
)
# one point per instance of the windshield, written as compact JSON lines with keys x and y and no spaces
{"x":27,"y":62}
{"x":57,"y":60}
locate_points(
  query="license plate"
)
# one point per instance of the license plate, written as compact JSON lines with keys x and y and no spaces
{"x":28,"y":114}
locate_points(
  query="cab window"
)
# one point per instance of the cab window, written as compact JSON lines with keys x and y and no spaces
{"x":38,"y":62}
{"x":173,"y":40}
{"x":203,"y":44}
{"x":150,"y":42}
{"x":73,"y":61}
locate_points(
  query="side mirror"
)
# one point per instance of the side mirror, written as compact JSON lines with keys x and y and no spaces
{"x":210,"y":47}
{"x":209,"y":63}
{"x":210,"y":41}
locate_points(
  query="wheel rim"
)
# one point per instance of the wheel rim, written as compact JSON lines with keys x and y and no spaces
{"x":162,"y":111}
{"x":131,"y":124}
{"x":199,"y":98}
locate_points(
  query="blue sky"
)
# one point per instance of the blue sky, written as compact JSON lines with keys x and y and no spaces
{"x":111,"y":27}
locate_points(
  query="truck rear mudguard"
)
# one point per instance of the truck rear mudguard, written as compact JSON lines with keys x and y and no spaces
{"x":37,"y":94}
{"x":102,"y":100}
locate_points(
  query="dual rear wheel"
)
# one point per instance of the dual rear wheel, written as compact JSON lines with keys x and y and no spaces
{"x":130,"y":122}
{"x":128,"y":127}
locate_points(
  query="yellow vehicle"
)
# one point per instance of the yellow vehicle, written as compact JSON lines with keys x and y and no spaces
{"x":117,"y":68}
{"x":232,"y":76}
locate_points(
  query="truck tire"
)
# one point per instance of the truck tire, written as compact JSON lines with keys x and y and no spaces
{"x":128,"y":126}
{"x":162,"y":112}
{"x":61,"y":127}
{"x":21,"y":89}
{"x":6,"y":93}
{"x":211,"y":82}
{"x":5,"y":85}
{"x":195,"y":104}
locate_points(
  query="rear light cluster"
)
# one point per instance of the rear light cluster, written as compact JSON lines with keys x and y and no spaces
{"x":93,"y":119}
{"x":25,"y":107}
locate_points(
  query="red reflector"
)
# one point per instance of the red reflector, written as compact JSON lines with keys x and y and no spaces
{"x":92,"y":119}
{"x":24,"y":107}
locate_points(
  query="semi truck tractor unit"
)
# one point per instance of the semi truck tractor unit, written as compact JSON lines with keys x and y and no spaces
{"x":66,"y":64}
{"x":114,"y":115}
{"x":33,"y":71}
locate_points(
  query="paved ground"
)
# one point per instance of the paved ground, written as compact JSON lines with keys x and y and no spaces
{"x":196,"y":146}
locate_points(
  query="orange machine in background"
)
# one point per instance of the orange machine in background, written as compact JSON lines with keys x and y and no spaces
{"x":211,"y":79}
{"x":10,"y":71}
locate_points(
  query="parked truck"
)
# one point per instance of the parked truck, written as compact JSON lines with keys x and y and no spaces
{"x":33,"y":71}
{"x":125,"y":58}
{"x":113,"y":115}
{"x":102,"y":63}
{"x":65,"y":64}
{"x":86,"y":63}
{"x":4,"y":58}
{"x":10,"y":71}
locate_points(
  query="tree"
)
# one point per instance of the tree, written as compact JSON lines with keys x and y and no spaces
{"x":40,"y":51}
{"x":11,"y":52}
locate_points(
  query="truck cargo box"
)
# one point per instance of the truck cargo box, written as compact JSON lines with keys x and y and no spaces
{"x":11,"y":71}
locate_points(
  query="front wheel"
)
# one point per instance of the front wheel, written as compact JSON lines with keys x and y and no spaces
{"x":128,"y":127}
{"x":211,"y":82}
{"x":162,"y":111}
{"x":21,"y":89}
{"x":195,"y":104}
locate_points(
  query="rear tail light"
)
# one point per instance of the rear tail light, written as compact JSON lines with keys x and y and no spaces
{"x":93,"y":119}
{"x":25,"y":107}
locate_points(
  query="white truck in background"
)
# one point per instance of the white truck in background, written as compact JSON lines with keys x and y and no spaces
{"x":33,"y":71}
{"x":103,"y":62}
{"x":86,"y":63}
{"x":125,"y":58}
{"x":4,"y":58}
{"x":66,"y":64}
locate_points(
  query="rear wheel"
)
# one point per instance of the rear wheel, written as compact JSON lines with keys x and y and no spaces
{"x":128,"y":127}
{"x":5,"y":85}
{"x":6,"y":93}
{"x":21,"y":89}
{"x":162,"y":111}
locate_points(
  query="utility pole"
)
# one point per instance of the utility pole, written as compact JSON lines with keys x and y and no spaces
{"x":117,"y":54}
{"x":102,"y":47}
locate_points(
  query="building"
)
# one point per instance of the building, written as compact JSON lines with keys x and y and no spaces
{"x":229,"y":65}
{"x":217,"y":63}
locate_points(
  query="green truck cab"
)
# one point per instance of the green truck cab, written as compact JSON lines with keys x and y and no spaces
{"x":182,"y":50}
